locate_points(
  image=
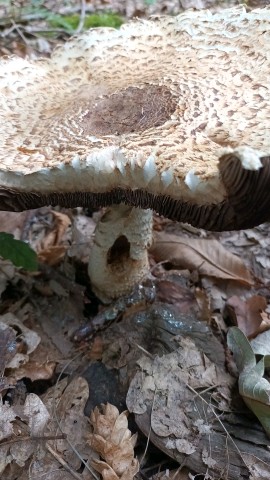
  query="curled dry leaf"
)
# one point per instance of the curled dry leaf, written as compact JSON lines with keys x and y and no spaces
{"x":113,"y":441}
{"x":208,"y":257}
{"x":52,"y":249}
{"x":247,"y":314}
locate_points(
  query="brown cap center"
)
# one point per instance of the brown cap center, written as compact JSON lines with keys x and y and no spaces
{"x":131,"y":110}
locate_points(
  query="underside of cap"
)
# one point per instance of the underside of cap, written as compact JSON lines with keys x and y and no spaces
{"x":246,"y":203}
{"x":171,"y":114}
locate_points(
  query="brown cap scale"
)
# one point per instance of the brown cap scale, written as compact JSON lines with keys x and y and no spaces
{"x":170,"y":114}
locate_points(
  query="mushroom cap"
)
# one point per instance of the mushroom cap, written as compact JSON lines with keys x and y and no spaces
{"x":171,"y":114}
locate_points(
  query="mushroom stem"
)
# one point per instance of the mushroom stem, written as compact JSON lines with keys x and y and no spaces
{"x":119,"y":256}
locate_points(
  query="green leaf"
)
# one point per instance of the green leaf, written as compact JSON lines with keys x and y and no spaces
{"x":243,"y":354}
{"x":71,"y":22}
{"x":19,"y":253}
{"x":261,"y":344}
{"x":253,"y":387}
{"x":103,"y":20}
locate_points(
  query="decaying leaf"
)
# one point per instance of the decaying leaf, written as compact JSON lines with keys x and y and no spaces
{"x":18,"y":425}
{"x":163,"y":392}
{"x":33,"y":370}
{"x":41,"y":427}
{"x":52,"y":255}
{"x":258,"y":470}
{"x":51,"y":249}
{"x":28,"y":337}
{"x":7,"y":346}
{"x":253,"y":387}
{"x":113,"y":441}
{"x":208,"y":257}
{"x":7,"y":416}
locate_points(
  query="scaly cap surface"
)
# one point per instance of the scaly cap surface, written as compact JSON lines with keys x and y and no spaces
{"x":171,"y":114}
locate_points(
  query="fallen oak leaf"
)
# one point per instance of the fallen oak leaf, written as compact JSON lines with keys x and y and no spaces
{"x":206,"y":256}
{"x":247,"y":314}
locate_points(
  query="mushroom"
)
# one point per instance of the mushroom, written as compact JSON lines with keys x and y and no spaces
{"x":170,"y":115}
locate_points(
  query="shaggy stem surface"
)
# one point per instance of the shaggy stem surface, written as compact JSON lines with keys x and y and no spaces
{"x":119,"y":256}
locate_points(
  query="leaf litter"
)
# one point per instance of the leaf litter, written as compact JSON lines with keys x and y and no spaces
{"x":181,"y":427}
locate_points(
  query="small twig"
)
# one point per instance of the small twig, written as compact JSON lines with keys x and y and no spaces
{"x":20,"y":33}
{"x":63,"y":463}
{"x":143,"y":350}
{"x":28,"y":438}
{"x":7,"y":31}
{"x":32,"y":30}
{"x":150,"y":428}
{"x":35,"y":30}
{"x":82,"y":17}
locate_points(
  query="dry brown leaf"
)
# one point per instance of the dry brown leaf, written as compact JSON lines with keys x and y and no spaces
{"x":51,"y":249}
{"x":113,"y":441}
{"x":34,"y":371}
{"x":34,"y":416}
{"x":13,"y":222}
{"x":55,"y":236}
{"x":175,"y":294}
{"x":265,"y":325}
{"x":209,"y":257}
{"x":247,"y":314}
{"x":52,"y":255}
